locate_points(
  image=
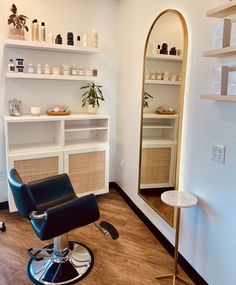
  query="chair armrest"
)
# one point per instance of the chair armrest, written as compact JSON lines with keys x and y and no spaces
{"x":67,"y":216}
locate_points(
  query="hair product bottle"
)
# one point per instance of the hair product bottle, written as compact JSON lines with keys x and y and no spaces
{"x":35,"y":30}
{"x":43,"y":32}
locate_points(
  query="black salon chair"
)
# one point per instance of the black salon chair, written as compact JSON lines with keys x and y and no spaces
{"x":53,"y":209}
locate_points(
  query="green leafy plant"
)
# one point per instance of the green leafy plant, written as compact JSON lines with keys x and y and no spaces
{"x":145,"y":99}
{"x":92,"y":95}
{"x":18,"y":21}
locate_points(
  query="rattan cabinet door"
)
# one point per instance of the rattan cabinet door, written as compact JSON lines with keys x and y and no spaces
{"x":35,"y":166}
{"x":87,"y":171}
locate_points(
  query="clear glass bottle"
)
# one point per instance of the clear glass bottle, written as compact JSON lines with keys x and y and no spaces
{"x":30,"y":67}
{"x":74,"y":69}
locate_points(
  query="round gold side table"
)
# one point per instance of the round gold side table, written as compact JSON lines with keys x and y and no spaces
{"x":177,"y":199}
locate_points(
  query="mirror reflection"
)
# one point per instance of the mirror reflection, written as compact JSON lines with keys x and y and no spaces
{"x":163,"y":90}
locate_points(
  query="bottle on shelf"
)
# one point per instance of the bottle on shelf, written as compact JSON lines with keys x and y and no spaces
{"x":78,"y":41}
{"x":11,"y":66}
{"x":43,"y":32}
{"x":85,"y":40}
{"x":35,"y":30}
{"x":94,"y":39}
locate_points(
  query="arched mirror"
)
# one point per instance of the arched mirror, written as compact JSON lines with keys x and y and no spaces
{"x":165,"y":59}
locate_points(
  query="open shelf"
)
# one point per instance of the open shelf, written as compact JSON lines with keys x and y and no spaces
{"x":84,"y":143}
{"x":84,"y":128}
{"x":224,"y":98}
{"x":158,"y":116}
{"x":163,"y":82}
{"x":157,"y":141}
{"x":26,"y":148}
{"x":226,"y":51}
{"x":165,"y":57}
{"x":223,"y":10}
{"x":22,"y":75}
{"x":49,"y":47}
{"x":155,"y":126}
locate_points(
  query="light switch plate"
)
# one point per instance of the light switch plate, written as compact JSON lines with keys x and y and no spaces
{"x":218,"y":153}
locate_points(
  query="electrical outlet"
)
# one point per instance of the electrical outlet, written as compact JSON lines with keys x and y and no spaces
{"x":122,"y":163}
{"x":218,"y":153}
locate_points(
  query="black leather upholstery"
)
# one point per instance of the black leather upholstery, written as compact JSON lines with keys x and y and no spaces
{"x":56,"y":197}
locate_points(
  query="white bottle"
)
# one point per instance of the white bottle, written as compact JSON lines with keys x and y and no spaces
{"x":85,"y":40}
{"x":38,"y":69}
{"x":94,"y":39}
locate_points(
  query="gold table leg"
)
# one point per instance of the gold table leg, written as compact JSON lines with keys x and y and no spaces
{"x":175,"y":275}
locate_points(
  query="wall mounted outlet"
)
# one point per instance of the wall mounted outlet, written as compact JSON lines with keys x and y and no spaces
{"x":122,"y":163}
{"x":218,"y":153}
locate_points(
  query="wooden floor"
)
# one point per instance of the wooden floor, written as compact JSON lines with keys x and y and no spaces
{"x":153,"y":198}
{"x":134,"y":259}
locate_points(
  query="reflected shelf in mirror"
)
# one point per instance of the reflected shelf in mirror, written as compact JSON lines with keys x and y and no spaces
{"x":162,"y":82}
{"x":165,"y":57}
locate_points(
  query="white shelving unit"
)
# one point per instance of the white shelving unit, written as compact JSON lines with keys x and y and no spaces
{"x":42,"y":146}
{"x":47,"y":145}
{"x":222,"y":11}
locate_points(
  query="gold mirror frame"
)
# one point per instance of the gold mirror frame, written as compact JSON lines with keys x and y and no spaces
{"x":180,"y":117}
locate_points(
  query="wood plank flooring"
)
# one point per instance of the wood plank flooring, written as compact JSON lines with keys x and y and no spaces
{"x":134,"y":259}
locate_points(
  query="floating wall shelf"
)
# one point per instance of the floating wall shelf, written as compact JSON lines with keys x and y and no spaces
{"x":223,"y":10}
{"x":220,"y":52}
{"x":224,"y":98}
{"x":49,"y":47}
{"x":50,"y":76}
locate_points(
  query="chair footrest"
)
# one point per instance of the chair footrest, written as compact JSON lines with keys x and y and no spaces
{"x":110,"y":229}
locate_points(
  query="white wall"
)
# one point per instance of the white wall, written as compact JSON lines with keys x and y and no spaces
{"x":77,"y":16}
{"x":207,"y":238}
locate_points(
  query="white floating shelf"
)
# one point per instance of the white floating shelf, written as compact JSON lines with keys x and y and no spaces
{"x":226,"y":51}
{"x":49,"y":47}
{"x":223,"y":10}
{"x":158,"y":116}
{"x":224,"y":98}
{"x":165,"y":57}
{"x":162,"y":82}
{"x":21,"y":75}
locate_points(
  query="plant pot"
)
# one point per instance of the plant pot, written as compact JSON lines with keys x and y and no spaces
{"x":91,"y":109}
{"x":16,"y":34}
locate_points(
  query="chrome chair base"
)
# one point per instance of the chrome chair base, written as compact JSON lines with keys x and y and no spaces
{"x":48,"y":268}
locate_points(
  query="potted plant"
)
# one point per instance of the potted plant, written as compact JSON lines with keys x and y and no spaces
{"x":146,"y":96}
{"x":92,"y":96}
{"x":19,"y":23}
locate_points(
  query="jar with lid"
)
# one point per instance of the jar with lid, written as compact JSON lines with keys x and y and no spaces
{"x":15,"y":107}
{"x":11,"y":66}
{"x":80,"y":71}
{"x":30,"y":67}
{"x":47,"y":69}
{"x":74,"y":69}
{"x":153,"y":75}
